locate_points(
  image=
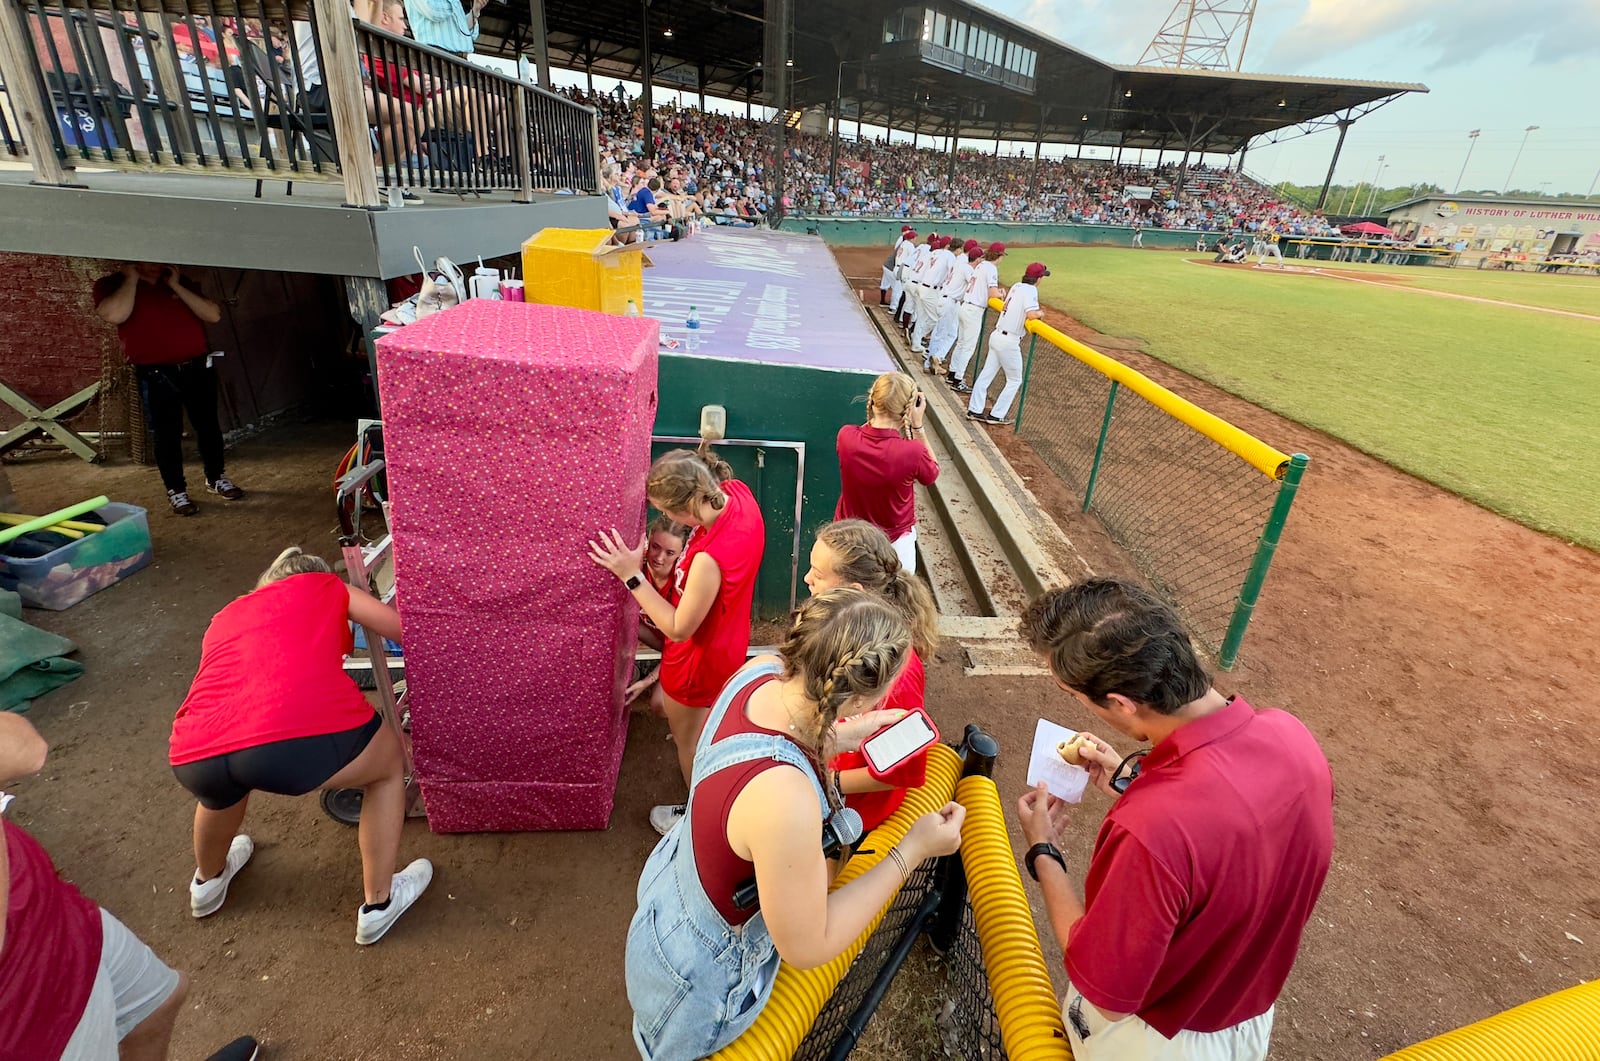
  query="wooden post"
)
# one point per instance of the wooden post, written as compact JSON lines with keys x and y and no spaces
{"x":341,"y":75}
{"x":541,"y":43}
{"x":524,"y":193}
{"x":367,"y":297}
{"x":34,"y":114}
{"x":165,"y":69}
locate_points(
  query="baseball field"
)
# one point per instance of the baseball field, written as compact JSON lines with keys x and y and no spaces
{"x":1484,"y":383}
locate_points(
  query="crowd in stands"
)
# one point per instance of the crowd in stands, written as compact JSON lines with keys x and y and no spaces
{"x":720,"y":160}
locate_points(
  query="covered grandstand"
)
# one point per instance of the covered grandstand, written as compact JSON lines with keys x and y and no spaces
{"x":941,"y":67}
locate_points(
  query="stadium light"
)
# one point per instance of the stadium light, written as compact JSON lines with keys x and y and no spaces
{"x":1518,"y":157}
{"x":667,"y":32}
{"x":1472,"y":141}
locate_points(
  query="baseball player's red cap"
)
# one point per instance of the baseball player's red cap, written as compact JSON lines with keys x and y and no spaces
{"x":911,"y":233}
{"x":939,"y":242}
{"x":905,"y":228}
{"x":974,"y":250}
{"x":1035,"y":271}
{"x":970,"y":245}
{"x":997,"y":249}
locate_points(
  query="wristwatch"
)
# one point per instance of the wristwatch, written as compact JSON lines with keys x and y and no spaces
{"x":634,"y":581}
{"x":1048,"y":851}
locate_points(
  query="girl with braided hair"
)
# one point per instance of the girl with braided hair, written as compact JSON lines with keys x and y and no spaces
{"x":707,"y":630}
{"x":699,"y":967}
{"x":854,"y":553}
{"x":882,"y":461}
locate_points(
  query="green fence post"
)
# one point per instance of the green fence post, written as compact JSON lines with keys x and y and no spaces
{"x":983,"y":341}
{"x":1100,"y":447}
{"x":1251,"y":590}
{"x":1027,"y":373}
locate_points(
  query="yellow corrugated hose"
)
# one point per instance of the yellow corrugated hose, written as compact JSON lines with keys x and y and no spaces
{"x":798,"y":996}
{"x":1564,"y":1026}
{"x":1024,"y":1000}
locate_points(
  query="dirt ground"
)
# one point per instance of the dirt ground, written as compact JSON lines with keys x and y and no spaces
{"x":1446,"y":658}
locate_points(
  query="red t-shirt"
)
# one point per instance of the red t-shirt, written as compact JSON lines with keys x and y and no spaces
{"x":879,"y":471}
{"x":271,"y":669}
{"x":1205,"y":873}
{"x":693,"y":672}
{"x":876,"y":807}
{"x":671,"y":592}
{"x":50,"y":956}
{"x":161,"y":330}
{"x":719,"y":869}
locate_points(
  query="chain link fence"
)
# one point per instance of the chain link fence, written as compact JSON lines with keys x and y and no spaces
{"x":1198,"y":518}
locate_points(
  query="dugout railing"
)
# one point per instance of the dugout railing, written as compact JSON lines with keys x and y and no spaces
{"x":1197,"y":503}
{"x":997,"y":1000}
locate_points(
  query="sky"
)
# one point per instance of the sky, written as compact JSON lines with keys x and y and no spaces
{"x":1495,"y":65}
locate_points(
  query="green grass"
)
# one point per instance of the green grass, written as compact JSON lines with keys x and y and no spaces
{"x":1578,"y":294}
{"x":1499,"y":405}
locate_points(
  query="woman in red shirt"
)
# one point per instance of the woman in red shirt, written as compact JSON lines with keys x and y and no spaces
{"x":881,"y":462}
{"x":271,"y":708}
{"x":664,"y":543}
{"x":856,"y":554}
{"x":708,"y":630}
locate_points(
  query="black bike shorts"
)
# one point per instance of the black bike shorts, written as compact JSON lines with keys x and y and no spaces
{"x":283,"y":767}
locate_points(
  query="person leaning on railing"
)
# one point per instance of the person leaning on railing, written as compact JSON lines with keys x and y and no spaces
{"x":700,"y":965}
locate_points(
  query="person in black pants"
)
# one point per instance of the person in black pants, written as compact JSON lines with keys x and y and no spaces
{"x":160,"y":319}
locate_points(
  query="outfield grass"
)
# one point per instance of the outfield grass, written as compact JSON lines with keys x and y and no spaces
{"x":1578,"y":294}
{"x":1499,"y":405}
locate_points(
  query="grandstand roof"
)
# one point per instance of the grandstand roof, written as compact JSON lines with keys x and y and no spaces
{"x":1072,"y":97}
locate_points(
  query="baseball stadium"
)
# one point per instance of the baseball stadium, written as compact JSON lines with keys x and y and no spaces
{"x":885,"y":410}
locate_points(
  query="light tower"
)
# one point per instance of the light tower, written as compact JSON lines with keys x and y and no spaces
{"x":1199,"y":35}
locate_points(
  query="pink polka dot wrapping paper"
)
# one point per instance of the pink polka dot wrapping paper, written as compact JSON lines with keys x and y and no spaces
{"x":512,"y":433}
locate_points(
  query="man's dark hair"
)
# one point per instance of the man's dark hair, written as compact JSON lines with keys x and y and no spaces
{"x":1104,"y":636}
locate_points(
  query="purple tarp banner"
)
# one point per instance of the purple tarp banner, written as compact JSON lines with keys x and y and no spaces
{"x":761,"y":296}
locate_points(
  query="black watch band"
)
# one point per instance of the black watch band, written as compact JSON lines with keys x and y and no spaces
{"x":1048,"y":851}
{"x":634,"y":581}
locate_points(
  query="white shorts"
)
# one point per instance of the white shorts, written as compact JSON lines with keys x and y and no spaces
{"x":130,"y":984}
{"x":1131,"y":1039}
{"x":905,"y":547}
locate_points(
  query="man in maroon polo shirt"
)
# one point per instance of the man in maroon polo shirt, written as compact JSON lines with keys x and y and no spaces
{"x":1206,"y":868}
{"x":160,"y":319}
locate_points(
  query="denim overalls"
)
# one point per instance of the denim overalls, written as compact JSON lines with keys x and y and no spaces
{"x":695,"y":982}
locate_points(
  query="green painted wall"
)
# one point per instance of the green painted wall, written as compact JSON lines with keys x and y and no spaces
{"x":858,"y":232}
{"x":785,"y":403}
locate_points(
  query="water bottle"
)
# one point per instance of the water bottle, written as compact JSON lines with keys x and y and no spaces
{"x":691,"y":324}
{"x":632,"y":310}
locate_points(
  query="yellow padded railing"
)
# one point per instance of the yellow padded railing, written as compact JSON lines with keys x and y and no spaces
{"x":798,"y":996}
{"x":1252,"y":450}
{"x":1024,"y":999}
{"x":1564,"y":1026}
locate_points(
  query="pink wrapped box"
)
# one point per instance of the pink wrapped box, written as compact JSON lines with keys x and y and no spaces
{"x":513,"y":432}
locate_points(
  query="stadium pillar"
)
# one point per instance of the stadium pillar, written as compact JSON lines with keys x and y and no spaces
{"x":700,"y":83}
{"x":645,"y":71}
{"x":950,"y":174}
{"x":541,"y":42}
{"x":1344,"y":127}
{"x":1243,"y":148}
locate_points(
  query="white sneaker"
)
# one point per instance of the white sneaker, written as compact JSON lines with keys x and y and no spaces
{"x":667,"y":815}
{"x":206,"y":899}
{"x":406,"y":887}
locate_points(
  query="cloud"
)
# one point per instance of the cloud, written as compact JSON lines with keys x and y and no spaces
{"x":1439,"y":33}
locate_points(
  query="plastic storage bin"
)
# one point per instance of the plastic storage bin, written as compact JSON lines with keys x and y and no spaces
{"x":581,"y":268}
{"x":103,"y":558}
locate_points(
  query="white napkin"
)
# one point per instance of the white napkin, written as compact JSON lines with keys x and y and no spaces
{"x":1045,"y":764}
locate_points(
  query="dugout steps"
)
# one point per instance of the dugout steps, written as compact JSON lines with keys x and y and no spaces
{"x":987,"y":547}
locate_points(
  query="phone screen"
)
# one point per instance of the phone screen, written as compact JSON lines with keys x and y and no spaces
{"x":893,"y":746}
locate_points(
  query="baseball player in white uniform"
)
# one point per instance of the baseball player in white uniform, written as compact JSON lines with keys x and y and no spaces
{"x":982,"y":285}
{"x":947,"y":327}
{"x":886,"y":283}
{"x":1005,"y":347}
{"x":940,"y":262}
{"x":904,"y":249}
{"x":914,"y":269}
